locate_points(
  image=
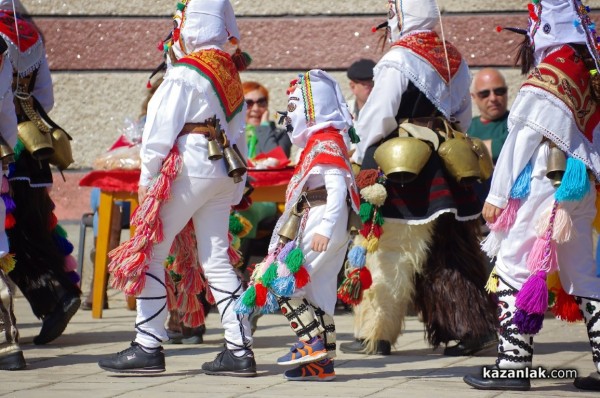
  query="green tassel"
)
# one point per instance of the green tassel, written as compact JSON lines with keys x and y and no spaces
{"x":60,"y":231}
{"x":365,"y":212}
{"x":175,"y":277}
{"x":249,"y":297}
{"x":378,"y":218}
{"x":169,"y":261}
{"x":180,"y":6}
{"x":354,"y":138}
{"x":18,"y":149}
{"x":270,"y":274}
{"x":551,"y":298}
{"x":235,"y":225}
{"x":294,"y":260}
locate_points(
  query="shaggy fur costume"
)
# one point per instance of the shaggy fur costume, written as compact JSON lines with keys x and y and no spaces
{"x":402,"y":252}
{"x":449,"y":292}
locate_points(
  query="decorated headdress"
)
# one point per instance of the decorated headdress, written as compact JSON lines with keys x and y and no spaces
{"x":405,"y":16}
{"x":25,"y":46}
{"x":316,"y":102}
{"x":204,"y":23}
{"x":556,"y":22}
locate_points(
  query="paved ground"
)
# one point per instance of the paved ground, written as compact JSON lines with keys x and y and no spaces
{"x":67,"y":367}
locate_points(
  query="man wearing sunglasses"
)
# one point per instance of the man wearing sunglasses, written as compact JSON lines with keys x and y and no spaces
{"x":490,"y":94}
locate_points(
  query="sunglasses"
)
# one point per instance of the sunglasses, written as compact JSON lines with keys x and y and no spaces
{"x":262,"y":102}
{"x":499,"y":92}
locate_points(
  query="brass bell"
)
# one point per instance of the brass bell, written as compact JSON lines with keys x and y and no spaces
{"x":235,"y":164}
{"x":289,"y":229}
{"x":37,"y":143}
{"x":7,"y":155}
{"x":62,"y":156}
{"x":557,"y":164}
{"x":214,"y":150}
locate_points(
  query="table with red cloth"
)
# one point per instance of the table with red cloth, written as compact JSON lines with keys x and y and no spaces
{"x":269,"y":186}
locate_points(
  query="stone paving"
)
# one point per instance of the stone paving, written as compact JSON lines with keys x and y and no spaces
{"x":68,"y":367}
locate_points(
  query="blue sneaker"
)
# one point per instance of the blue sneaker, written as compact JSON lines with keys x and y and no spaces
{"x":314,"y":371}
{"x":304,"y":352}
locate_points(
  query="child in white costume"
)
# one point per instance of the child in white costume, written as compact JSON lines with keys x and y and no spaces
{"x":541,"y":221}
{"x":301,"y":276}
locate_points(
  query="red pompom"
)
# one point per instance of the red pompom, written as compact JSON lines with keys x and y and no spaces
{"x":374,"y":29}
{"x":53,"y":221}
{"x":498,"y":29}
{"x":365,"y":278}
{"x":9,"y":221}
{"x":261,"y":294}
{"x":302,"y":278}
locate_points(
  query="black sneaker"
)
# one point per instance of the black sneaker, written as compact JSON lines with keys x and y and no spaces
{"x":227,"y":364}
{"x":135,"y":360}
{"x":55,"y":323}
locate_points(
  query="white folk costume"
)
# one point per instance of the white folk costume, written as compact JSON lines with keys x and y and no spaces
{"x":427,"y":249}
{"x":303,"y":282}
{"x":46,"y":273}
{"x":188,"y":192}
{"x":11,"y":356}
{"x":542,"y":239}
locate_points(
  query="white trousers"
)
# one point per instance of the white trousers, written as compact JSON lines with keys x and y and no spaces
{"x":323,"y":267}
{"x":575,"y":257}
{"x":207,"y":201}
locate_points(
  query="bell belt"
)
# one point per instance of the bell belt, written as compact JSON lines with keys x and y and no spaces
{"x":312,"y":198}
{"x":205,"y":129}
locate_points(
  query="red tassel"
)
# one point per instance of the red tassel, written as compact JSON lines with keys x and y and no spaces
{"x":53,"y":221}
{"x":302,"y":277}
{"x":350,"y":291}
{"x":365,"y":278}
{"x":366,"y":229}
{"x":9,"y":221}
{"x":261,"y":294}
{"x":565,"y":307}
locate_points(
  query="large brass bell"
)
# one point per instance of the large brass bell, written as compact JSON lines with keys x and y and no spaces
{"x":289,"y":230}
{"x":37,"y":143}
{"x":235,"y":165}
{"x":62,"y":156}
{"x":557,"y":164}
{"x":7,"y":155}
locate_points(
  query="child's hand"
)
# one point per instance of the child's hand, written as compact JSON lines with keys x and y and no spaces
{"x":319,"y":243}
{"x":490,"y":212}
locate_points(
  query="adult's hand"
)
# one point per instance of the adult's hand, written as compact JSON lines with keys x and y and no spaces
{"x":490,"y":212}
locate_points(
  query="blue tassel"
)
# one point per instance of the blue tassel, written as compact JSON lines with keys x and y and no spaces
{"x":240,"y":307}
{"x":575,"y":183}
{"x":357,"y":256}
{"x":284,"y":286}
{"x":64,"y":246}
{"x":271,"y":305}
{"x":523,"y":184}
{"x":9,"y":203}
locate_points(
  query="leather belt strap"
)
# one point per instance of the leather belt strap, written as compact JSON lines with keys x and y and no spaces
{"x":312,"y":198}
{"x":198,"y":128}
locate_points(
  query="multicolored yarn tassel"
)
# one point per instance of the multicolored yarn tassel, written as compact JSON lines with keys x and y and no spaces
{"x":532,"y":299}
{"x":281,"y":273}
{"x":357,"y":275}
{"x":520,"y":190}
{"x":129,"y":261}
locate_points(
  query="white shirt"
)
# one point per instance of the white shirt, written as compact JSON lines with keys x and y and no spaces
{"x":8,"y":116}
{"x":392,"y":76}
{"x":185,"y":97}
